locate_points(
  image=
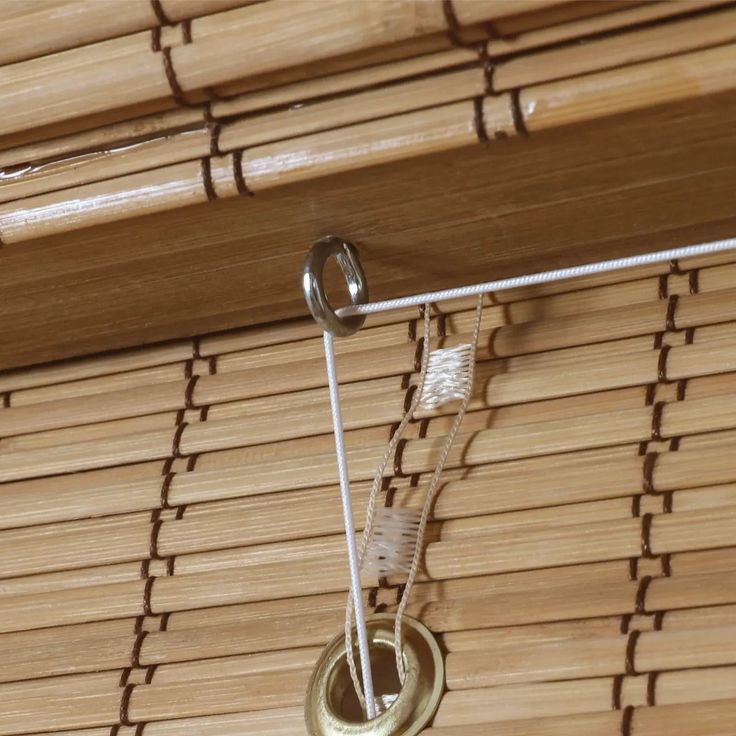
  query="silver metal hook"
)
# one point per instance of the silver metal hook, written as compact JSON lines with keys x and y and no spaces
{"x":347,"y":258}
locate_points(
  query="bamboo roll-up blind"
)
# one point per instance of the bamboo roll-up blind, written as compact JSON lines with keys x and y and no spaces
{"x":171,"y":557}
{"x":363,"y":84}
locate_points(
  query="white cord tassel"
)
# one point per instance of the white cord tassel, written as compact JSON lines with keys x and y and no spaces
{"x":384,"y":702}
{"x":391,"y":547}
{"x":448,"y":374}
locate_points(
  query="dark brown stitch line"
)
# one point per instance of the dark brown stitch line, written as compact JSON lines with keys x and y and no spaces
{"x":647,"y":482}
{"x":176,"y":89}
{"x":135,"y":656}
{"x":179,"y":417}
{"x":666,"y":560}
{"x":160,"y":13}
{"x":6,"y":400}
{"x":153,"y":541}
{"x":205,"y":166}
{"x":192,"y":461}
{"x":692,"y":280}
{"x":681,"y":390}
{"x":489,"y":64}
{"x":189,"y":368}
{"x":186,"y":31}
{"x":625,"y":623}
{"x":238,"y":175}
{"x":398,"y":455}
{"x":633,"y":568}
{"x":418,"y":355}
{"x":626,"y":720}
{"x":175,"y":445}
{"x":652,"y":688}
{"x":618,"y":682}
{"x":662,"y":364}
{"x":145,"y":565}
{"x":165,"y":487}
{"x":409,"y":396}
{"x":214,"y":128}
{"x":662,"y":287}
{"x":453,"y":24}
{"x":139,"y":729}
{"x":189,"y":392}
{"x":631,"y":653}
{"x":479,"y":122}
{"x":400,"y":592}
{"x":635,"y":506}
{"x":518,"y":114}
{"x":389,"y":497}
{"x":659,"y":620}
{"x":164,"y":622}
{"x":667,"y":501}
{"x":125,"y":705}
{"x":675,"y":267}
{"x":196,"y":345}
{"x":147,"y":590}
{"x":671,"y":309}
{"x":150,"y":672}
{"x":373,"y":597}
{"x":646,"y":533}
{"x":156,"y":39}
{"x":640,"y":605}
{"x":657,"y":410}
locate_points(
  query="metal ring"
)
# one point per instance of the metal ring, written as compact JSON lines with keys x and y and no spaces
{"x":346,"y":256}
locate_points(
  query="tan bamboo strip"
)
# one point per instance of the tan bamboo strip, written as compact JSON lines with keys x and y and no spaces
{"x":485,"y":446}
{"x":443,"y":128}
{"x":543,"y":700}
{"x":157,"y":702}
{"x":284,"y":518}
{"x":263,"y":580}
{"x":712,"y":718}
{"x":643,"y":45}
{"x":594,"y":657}
{"x":138,"y":73}
{"x":51,"y":28}
{"x":73,"y":370}
{"x":273,"y":625}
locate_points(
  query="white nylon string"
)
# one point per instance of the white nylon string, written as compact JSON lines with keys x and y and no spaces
{"x":541,"y":278}
{"x":347,"y":513}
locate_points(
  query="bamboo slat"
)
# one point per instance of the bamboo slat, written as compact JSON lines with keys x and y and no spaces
{"x":445,"y":127}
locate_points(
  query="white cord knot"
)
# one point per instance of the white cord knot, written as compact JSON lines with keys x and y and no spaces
{"x":391,"y":548}
{"x":448,"y":374}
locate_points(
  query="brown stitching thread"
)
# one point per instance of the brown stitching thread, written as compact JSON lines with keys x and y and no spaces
{"x":659,"y":620}
{"x":196,"y":344}
{"x":147,"y":590}
{"x":670,"y":325}
{"x":192,"y":461}
{"x":176,"y":89}
{"x":408,"y":397}
{"x":205,"y":166}
{"x":238,"y":175}
{"x":175,"y":445}
{"x":214,"y":128}
{"x":6,"y":400}
{"x":125,"y":705}
{"x":442,"y":325}
{"x":652,"y":688}
{"x":631,"y":653}
{"x":373,"y":597}
{"x":453,"y":24}
{"x":641,"y":595}
{"x":518,"y":114}
{"x":135,"y":656}
{"x":489,"y":74}
{"x":693,"y":281}
{"x":186,"y":31}
{"x":160,"y":13}
{"x":418,"y":355}
{"x":389,"y":498}
{"x":398,"y":456}
{"x":662,"y":287}
{"x":647,"y":483}
{"x":156,"y":39}
{"x":400,"y":592}
{"x":189,"y":393}
{"x":618,"y":682}
{"x":153,"y":541}
{"x":646,"y":533}
{"x":657,"y":410}
{"x":164,"y":623}
{"x":662,"y":364}
{"x":675,"y":267}
{"x":625,"y":623}
{"x":165,"y":488}
{"x":479,"y":121}
{"x":626,"y":720}
{"x":633,"y":568}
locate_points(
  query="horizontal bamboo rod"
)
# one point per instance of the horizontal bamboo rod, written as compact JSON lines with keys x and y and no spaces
{"x":447,"y":127}
{"x":322,"y":570}
{"x":716,"y":718}
{"x":303,"y":37}
{"x":287,"y":518}
{"x":65,"y":25}
{"x":300,"y":91}
{"x":655,"y":650}
{"x":560,"y":63}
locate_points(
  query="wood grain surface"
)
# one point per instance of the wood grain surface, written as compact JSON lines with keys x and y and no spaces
{"x":628,"y":184}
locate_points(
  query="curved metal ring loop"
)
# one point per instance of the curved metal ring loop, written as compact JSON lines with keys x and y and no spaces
{"x":312,"y":283}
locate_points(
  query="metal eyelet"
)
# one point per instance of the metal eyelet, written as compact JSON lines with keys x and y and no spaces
{"x":312,"y":283}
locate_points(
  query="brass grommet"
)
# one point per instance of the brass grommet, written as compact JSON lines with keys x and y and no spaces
{"x":331,"y":707}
